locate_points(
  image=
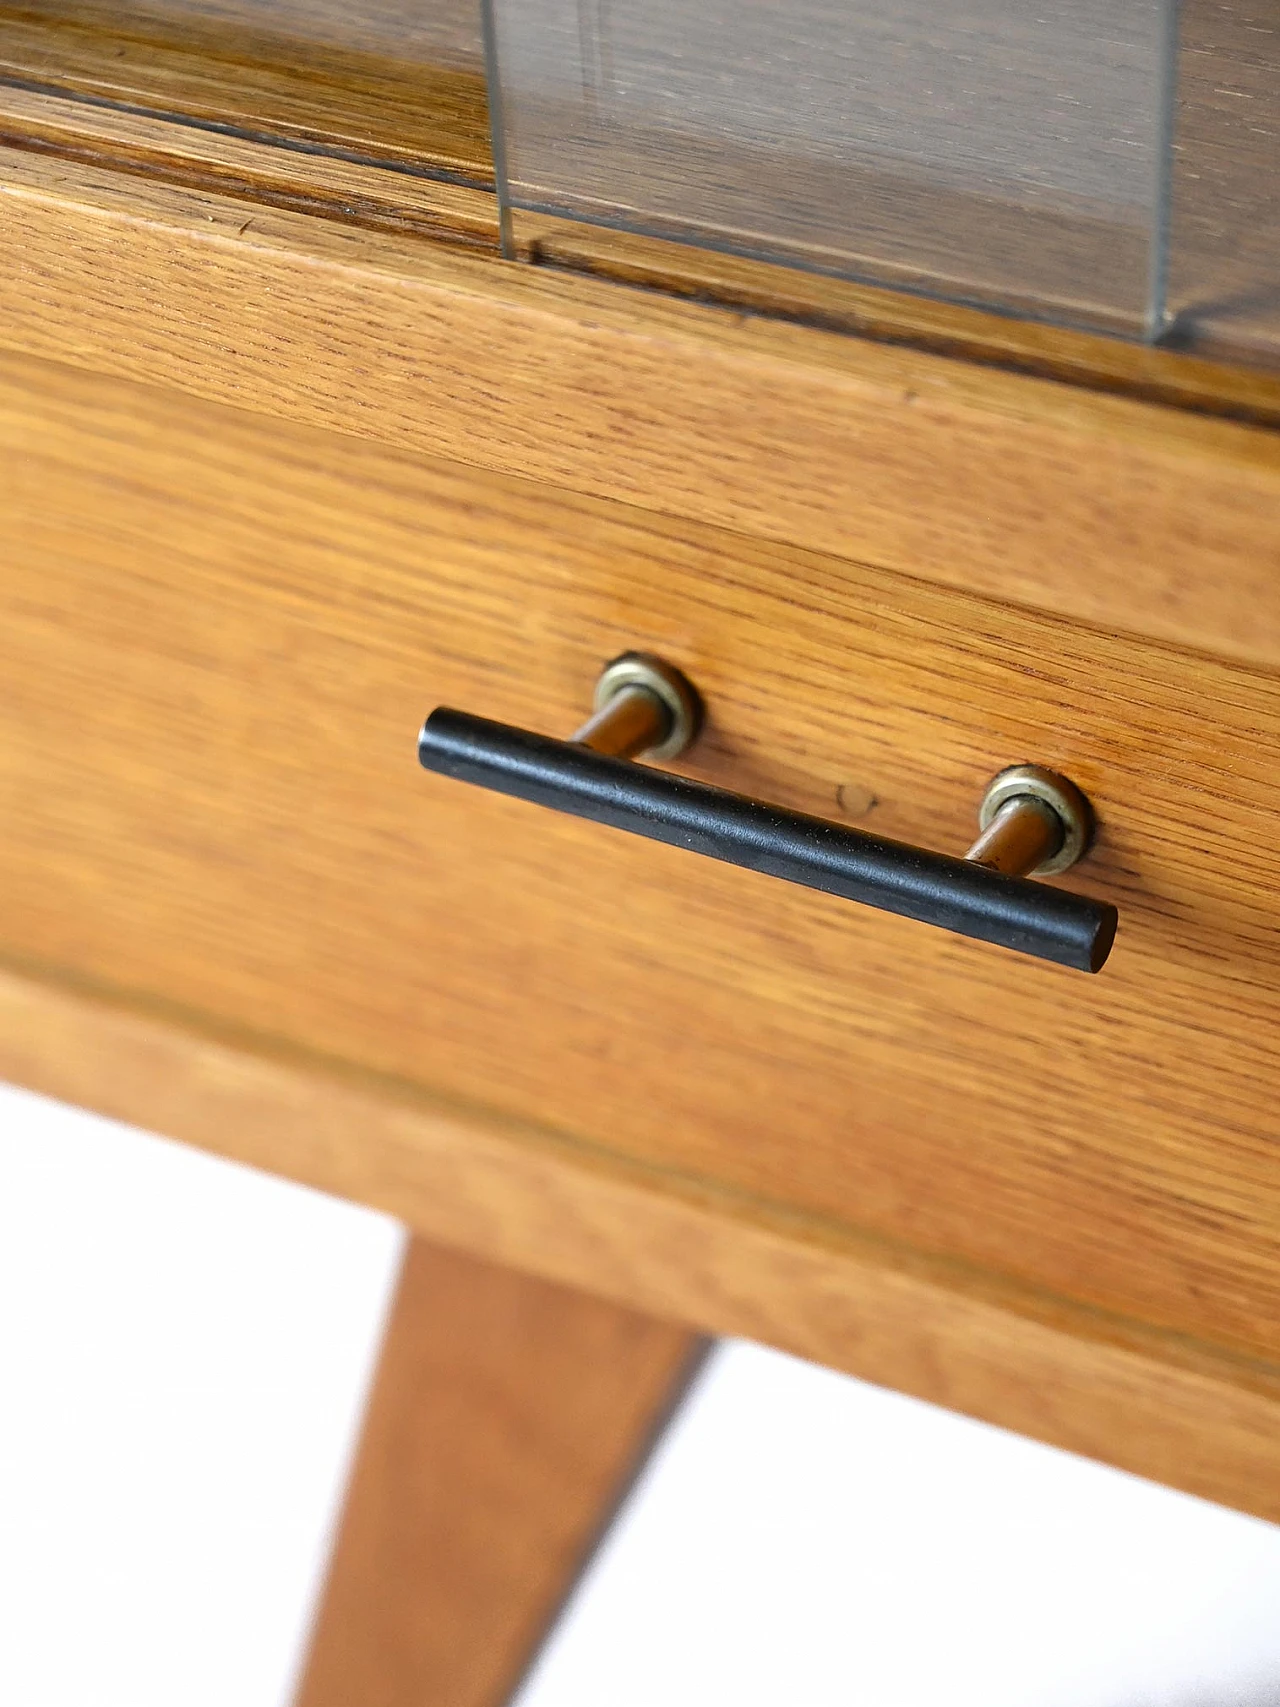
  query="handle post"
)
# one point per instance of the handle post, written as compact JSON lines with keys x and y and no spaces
{"x":633,"y":721}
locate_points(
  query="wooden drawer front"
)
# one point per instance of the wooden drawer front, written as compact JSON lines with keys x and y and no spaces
{"x":221,"y":635}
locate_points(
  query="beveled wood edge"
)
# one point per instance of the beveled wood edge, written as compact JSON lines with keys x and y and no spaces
{"x":366,"y":195}
{"x":1193,"y":1416}
{"x":369,"y":197}
{"x":507,"y":1420}
{"x":1124,"y":514}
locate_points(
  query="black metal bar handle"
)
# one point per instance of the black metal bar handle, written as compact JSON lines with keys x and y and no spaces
{"x":937,"y":889}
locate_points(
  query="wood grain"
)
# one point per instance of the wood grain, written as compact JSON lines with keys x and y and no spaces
{"x":507,"y":1416}
{"x":897,"y":317}
{"x":1155,"y":1404}
{"x":1120,"y":513}
{"x":222,"y":634}
{"x":365,"y":196}
{"x":404,"y":112}
{"x":430,"y":32}
{"x":337,"y":189}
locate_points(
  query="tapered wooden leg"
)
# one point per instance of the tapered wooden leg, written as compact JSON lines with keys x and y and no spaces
{"x":507,"y":1417}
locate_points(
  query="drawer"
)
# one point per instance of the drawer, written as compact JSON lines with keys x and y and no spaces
{"x":222,"y":635}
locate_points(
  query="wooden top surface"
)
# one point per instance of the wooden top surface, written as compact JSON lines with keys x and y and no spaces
{"x":1117,"y":512}
{"x":388,"y":83}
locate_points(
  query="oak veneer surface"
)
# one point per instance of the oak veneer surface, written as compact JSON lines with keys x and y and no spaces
{"x":222,"y":633}
{"x":1124,"y":513}
{"x":507,"y":1416}
{"x":1093,"y":360}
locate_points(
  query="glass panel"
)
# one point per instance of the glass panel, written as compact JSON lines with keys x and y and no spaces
{"x":992,"y":151}
{"x":1224,"y":287}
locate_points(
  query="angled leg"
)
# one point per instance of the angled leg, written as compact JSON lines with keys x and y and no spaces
{"x":507,"y":1417}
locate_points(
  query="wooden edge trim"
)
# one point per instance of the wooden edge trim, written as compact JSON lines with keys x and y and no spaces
{"x":1124,"y":514}
{"x":508,"y":1417}
{"x":369,"y":197}
{"x":678,"y":1249}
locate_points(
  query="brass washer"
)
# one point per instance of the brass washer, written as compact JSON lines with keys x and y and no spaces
{"x":1063,"y":799}
{"x":677,"y":694}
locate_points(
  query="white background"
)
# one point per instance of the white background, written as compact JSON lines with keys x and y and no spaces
{"x":184,"y":1350}
{"x":804,"y":1540}
{"x":184,"y":1347}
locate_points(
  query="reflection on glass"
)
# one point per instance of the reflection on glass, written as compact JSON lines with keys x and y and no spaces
{"x":994,"y":151}
{"x":1224,"y":275}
